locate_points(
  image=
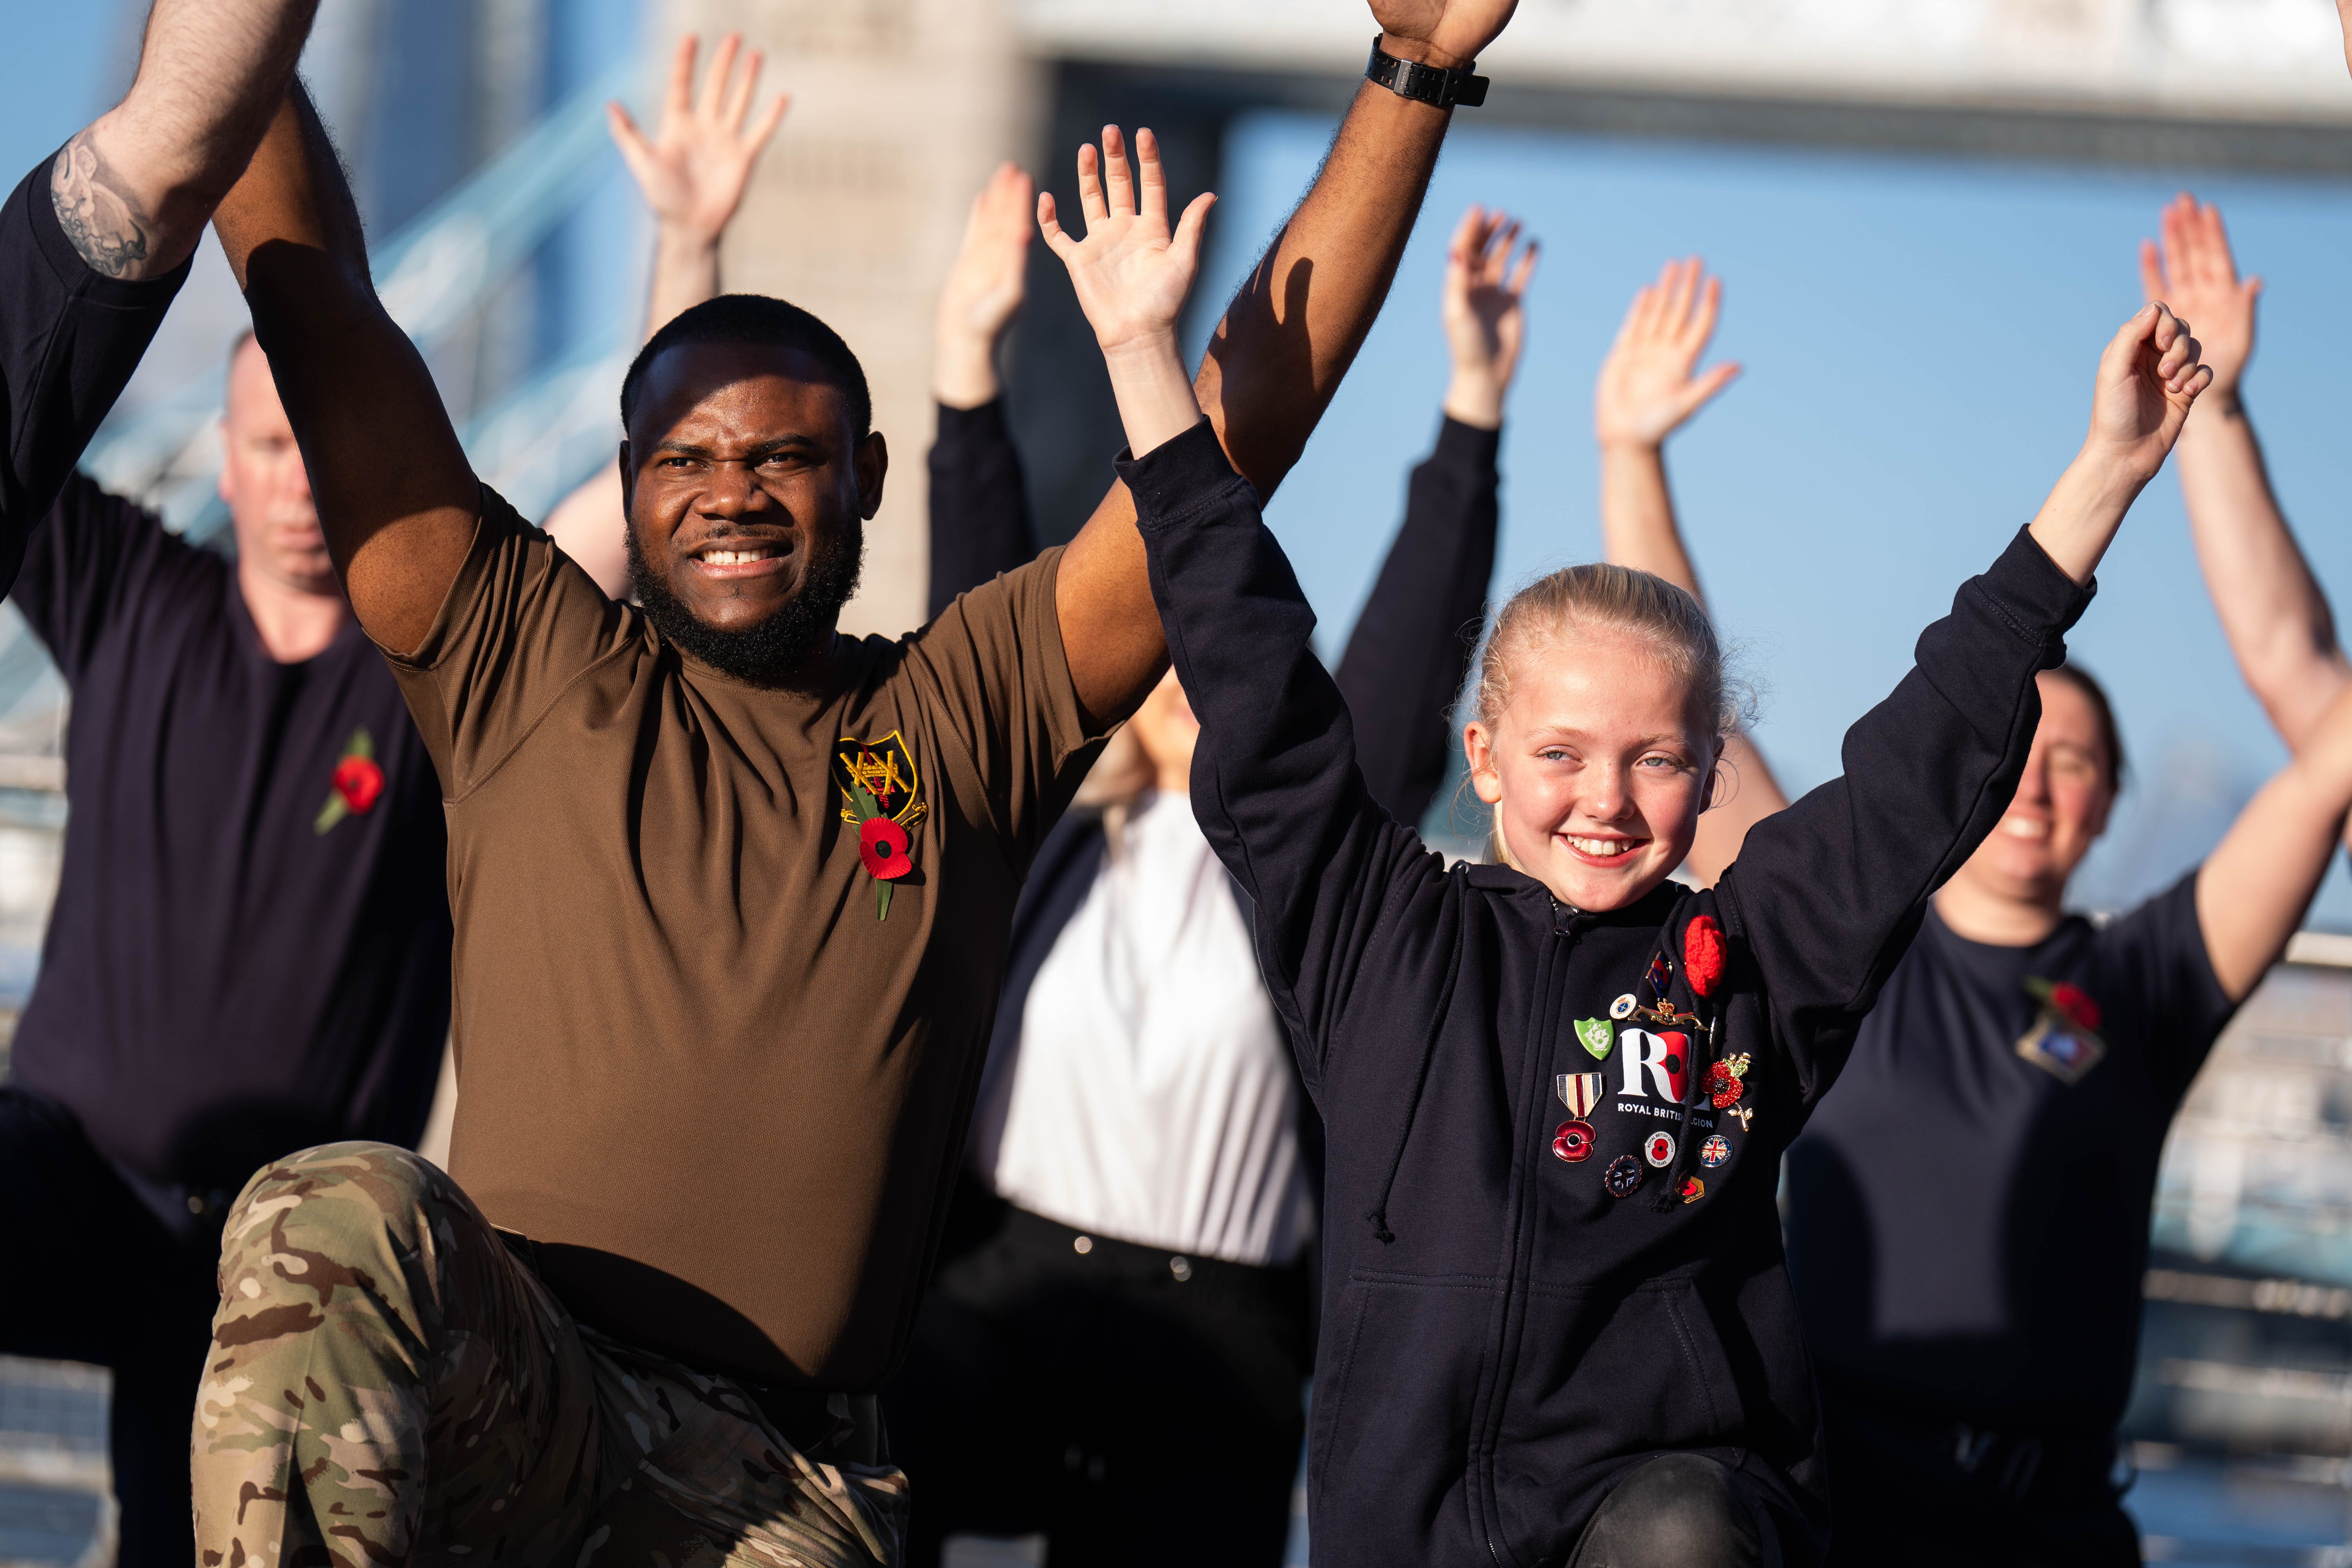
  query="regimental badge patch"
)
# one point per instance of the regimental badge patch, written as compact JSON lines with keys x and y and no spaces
{"x":886,"y":770}
{"x":2064,"y":1040}
{"x":1595,"y":1036}
{"x":1713,"y":1151}
{"x":1659,"y":1150}
{"x":1624,"y":1176}
{"x":1573,"y":1141}
{"x":1580,"y":1091}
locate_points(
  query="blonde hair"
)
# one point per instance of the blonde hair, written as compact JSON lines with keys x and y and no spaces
{"x":1598,"y":596}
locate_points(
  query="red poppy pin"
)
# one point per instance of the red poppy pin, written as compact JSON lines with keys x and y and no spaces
{"x":357,"y":781}
{"x":2065,"y":1039}
{"x":1703,"y":955}
{"x":882,"y":793}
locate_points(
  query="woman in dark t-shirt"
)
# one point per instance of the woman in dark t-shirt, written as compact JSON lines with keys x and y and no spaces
{"x":1968,"y":1211}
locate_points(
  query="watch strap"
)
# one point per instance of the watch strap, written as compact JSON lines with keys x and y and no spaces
{"x":1438,"y":85}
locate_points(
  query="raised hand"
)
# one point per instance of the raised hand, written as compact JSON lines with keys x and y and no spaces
{"x":1449,"y":33}
{"x":1132,"y":274}
{"x":2148,"y":377}
{"x":983,"y":288}
{"x":1484,"y":326}
{"x":693,"y":168}
{"x":2195,"y":275}
{"x":1647,"y":386}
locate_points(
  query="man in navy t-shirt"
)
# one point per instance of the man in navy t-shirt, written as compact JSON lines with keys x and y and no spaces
{"x":250,"y":945}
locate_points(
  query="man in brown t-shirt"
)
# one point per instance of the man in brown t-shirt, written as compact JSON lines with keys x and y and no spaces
{"x":731,"y":896}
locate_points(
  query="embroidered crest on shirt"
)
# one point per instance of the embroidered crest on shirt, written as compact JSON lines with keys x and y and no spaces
{"x":2064,"y":1040}
{"x":356,"y":784}
{"x":884,"y":769}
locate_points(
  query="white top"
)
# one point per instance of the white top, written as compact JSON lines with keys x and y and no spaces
{"x":1152,"y":1099}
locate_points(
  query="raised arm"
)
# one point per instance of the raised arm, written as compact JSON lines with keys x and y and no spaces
{"x":692,"y":173}
{"x":134,"y":190}
{"x":1649,"y":385}
{"x":2277,"y":620}
{"x":979,"y":503}
{"x":395,"y":496}
{"x":2254,"y":890}
{"x":1405,"y":659}
{"x":1285,"y":339}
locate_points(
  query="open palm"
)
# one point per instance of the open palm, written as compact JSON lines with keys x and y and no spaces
{"x":1131,"y":272}
{"x":984,"y":287}
{"x":2197,"y":276}
{"x":693,"y":168}
{"x":1651,"y":382}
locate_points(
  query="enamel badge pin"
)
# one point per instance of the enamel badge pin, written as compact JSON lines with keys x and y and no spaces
{"x":1713,"y":1151}
{"x":1659,"y":1149}
{"x":1593,"y":1033}
{"x":1693,"y":1189}
{"x":1623,"y":1006}
{"x":1624,"y":1176}
{"x":882,"y":792}
{"x":1579,"y":1091}
{"x":1573,"y":1142}
{"x":2064,"y":1040}
{"x":1726,"y":1081}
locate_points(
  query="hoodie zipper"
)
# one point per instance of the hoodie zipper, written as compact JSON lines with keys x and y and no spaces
{"x":1566,"y":924}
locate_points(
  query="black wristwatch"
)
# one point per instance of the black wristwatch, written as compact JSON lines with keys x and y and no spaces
{"x":1426,"y":84}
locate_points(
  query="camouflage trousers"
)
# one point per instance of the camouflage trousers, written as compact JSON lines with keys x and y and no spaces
{"x":389,"y":1384}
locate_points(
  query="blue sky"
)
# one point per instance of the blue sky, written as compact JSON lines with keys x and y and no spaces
{"x":58,"y":69}
{"x":1919,"y":336}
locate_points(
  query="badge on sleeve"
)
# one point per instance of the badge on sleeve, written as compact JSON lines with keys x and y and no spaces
{"x":1713,"y":1151}
{"x":1659,"y":1149}
{"x":1579,"y":1091}
{"x":1573,"y":1141}
{"x":1623,"y":1177}
{"x":1623,"y":1007}
{"x":1593,"y":1033}
{"x":2064,"y":1040}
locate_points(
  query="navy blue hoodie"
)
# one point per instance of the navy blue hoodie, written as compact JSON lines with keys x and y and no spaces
{"x":1504,"y":1339}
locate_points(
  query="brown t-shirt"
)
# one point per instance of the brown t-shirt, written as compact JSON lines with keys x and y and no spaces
{"x":723,"y":1098}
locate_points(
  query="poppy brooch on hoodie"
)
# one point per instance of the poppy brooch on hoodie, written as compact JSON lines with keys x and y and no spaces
{"x":356,"y":784}
{"x":2064,"y":1040}
{"x":882,"y":792}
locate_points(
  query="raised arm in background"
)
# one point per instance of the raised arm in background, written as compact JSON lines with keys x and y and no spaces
{"x":1285,"y":339}
{"x":395,"y":496}
{"x":692,"y":174}
{"x":2276,"y":618}
{"x":1649,"y":385}
{"x":2252,"y":890}
{"x":979,"y":504}
{"x":1405,"y":659}
{"x":95,"y":243}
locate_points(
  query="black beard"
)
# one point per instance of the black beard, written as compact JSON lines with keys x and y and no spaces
{"x":766,"y":652}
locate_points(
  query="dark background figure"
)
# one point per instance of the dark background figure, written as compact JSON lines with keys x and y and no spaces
{"x":249,"y":949}
{"x":1122,"y":1321}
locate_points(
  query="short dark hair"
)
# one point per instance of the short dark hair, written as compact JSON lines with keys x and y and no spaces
{"x":2084,"y":681}
{"x":759,"y":319}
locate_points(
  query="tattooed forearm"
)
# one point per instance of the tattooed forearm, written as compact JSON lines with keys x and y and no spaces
{"x":104,"y":222}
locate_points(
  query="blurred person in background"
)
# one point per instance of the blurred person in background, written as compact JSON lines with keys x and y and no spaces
{"x":220,"y":971}
{"x":692,"y":173}
{"x":1968,"y":1210}
{"x":1121,"y":1329}
{"x":732,"y":894}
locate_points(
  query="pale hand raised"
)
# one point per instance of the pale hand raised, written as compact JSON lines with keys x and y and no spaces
{"x":2149,"y":377}
{"x":2195,"y":275}
{"x":1650,"y":383}
{"x":693,"y":168}
{"x":1484,"y":323}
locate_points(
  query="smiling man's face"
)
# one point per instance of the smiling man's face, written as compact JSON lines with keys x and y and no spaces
{"x":748,"y":491}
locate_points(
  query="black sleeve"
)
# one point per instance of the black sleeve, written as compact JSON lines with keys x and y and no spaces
{"x":2154,"y":960}
{"x":979,"y":507}
{"x":86,"y":561}
{"x":1275,"y":782}
{"x":1827,"y":895}
{"x":69,"y":340}
{"x":1405,"y":660}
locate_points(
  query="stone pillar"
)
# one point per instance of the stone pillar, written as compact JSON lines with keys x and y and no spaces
{"x":899,"y":109}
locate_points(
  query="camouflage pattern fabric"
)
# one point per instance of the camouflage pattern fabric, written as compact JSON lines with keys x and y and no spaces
{"x":389,"y":1383}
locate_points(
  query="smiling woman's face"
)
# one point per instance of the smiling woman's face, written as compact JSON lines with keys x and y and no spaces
{"x":1597,"y":768}
{"x":745,"y":479}
{"x":2061,"y":806}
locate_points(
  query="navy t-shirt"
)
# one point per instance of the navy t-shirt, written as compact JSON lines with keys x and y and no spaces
{"x":1968,"y":1207}
{"x":246,"y":955}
